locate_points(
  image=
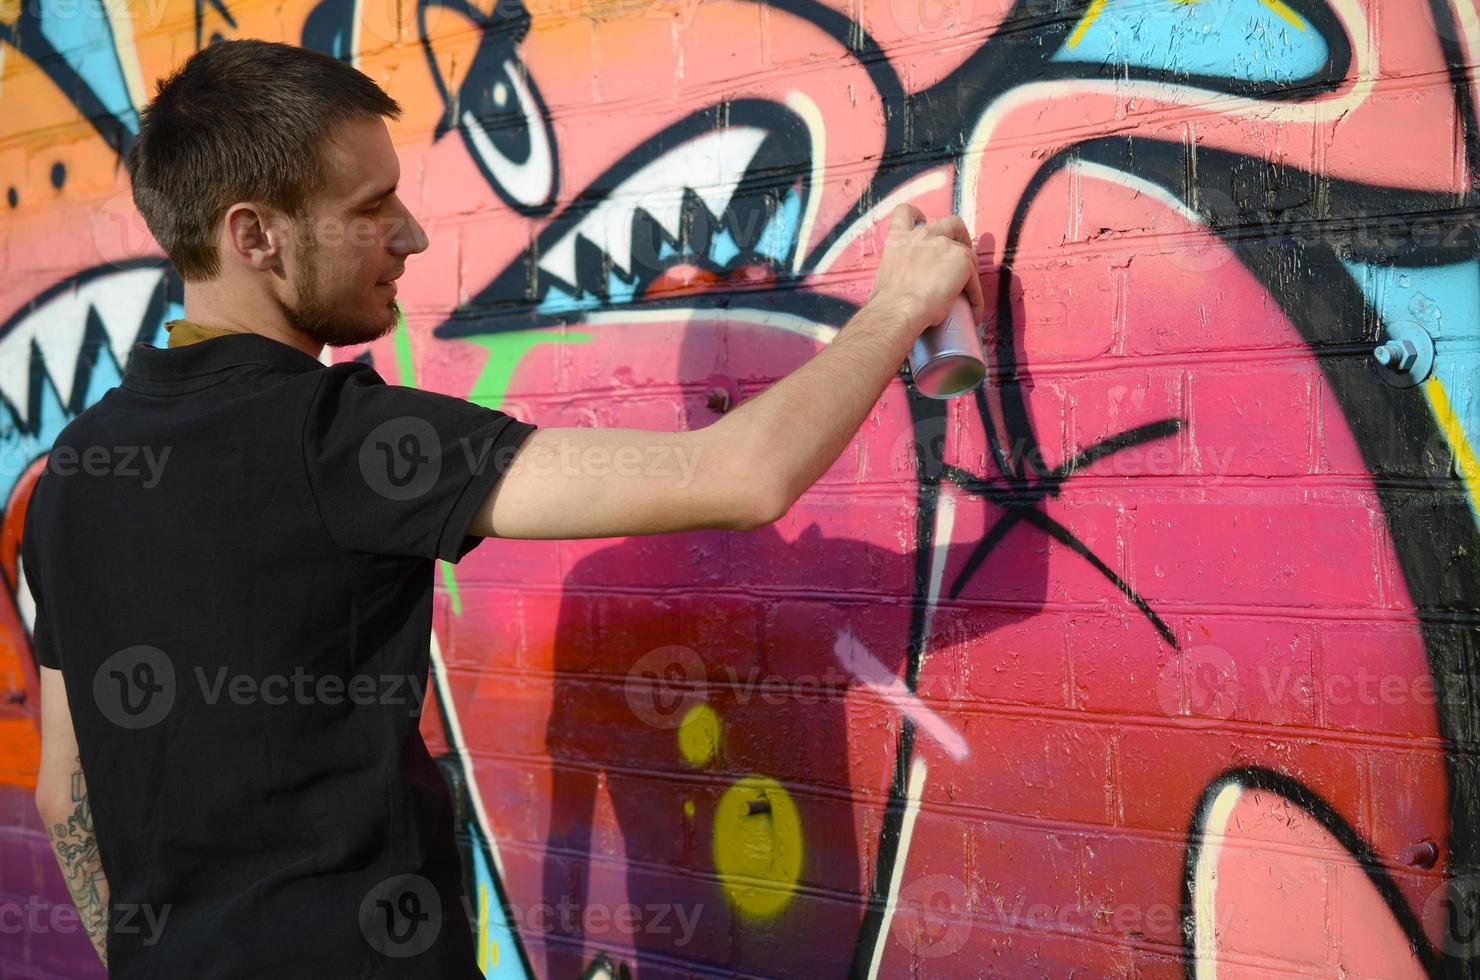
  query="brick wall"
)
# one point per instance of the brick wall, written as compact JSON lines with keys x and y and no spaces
{"x":1153,"y":655}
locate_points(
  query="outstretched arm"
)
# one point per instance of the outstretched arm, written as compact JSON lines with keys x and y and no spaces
{"x":747,"y":469}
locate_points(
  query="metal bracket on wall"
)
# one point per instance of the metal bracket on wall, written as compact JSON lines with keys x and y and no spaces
{"x":1407,"y":357}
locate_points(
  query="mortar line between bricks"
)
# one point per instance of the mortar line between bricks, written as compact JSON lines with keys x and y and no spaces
{"x":1127,"y":486}
{"x":1119,"y":723}
{"x":865,"y":600}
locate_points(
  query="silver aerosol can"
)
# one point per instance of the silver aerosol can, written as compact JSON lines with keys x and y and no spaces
{"x":948,"y":358}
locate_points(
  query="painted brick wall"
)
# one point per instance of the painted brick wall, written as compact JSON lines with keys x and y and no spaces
{"x":1153,"y":657}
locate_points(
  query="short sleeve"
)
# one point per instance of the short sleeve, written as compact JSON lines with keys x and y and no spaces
{"x":400,"y":471}
{"x":42,"y":642}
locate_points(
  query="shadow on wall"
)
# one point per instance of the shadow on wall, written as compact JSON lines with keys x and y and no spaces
{"x":717,"y":721}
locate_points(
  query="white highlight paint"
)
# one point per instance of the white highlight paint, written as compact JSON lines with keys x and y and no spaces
{"x":906,"y":835}
{"x":358,"y":20}
{"x":1165,"y":97}
{"x":1205,"y":882}
{"x":58,"y":326}
{"x":531,"y":182}
{"x":1080,"y":169}
{"x":801,"y":326}
{"x":875,"y":677}
{"x":922,"y":184}
{"x":945,"y":523}
{"x":25,"y":602}
{"x":120,"y":22}
{"x":710,"y":165}
{"x":802,"y":105}
{"x":460,"y":746}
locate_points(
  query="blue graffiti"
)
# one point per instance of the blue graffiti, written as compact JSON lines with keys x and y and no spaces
{"x":1245,"y":40}
{"x":1443,"y":300}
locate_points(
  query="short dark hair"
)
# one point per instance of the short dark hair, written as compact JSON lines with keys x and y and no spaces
{"x":240,"y":120}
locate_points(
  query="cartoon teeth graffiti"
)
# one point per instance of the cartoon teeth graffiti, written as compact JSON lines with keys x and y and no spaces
{"x":1084,"y":672}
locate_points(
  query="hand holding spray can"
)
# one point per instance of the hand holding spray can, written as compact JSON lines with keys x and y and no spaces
{"x":948,"y":358}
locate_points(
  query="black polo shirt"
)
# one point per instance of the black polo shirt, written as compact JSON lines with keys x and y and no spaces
{"x":232,"y":559}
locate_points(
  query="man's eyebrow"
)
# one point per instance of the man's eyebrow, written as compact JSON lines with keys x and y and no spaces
{"x":377,"y":195}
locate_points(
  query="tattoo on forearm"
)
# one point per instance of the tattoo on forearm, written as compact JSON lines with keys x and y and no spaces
{"x":77,"y":852}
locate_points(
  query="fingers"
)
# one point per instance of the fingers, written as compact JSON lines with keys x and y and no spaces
{"x":974,"y":292}
{"x":904,"y":217}
{"x":951,"y":226}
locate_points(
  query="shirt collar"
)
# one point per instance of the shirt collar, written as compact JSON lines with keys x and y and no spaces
{"x":149,"y":363}
{"x":184,"y":332}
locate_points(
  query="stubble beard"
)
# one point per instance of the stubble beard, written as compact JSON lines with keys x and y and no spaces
{"x":320,"y":320}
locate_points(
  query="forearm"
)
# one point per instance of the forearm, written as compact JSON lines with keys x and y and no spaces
{"x":799,"y":426}
{"x":69,"y":824}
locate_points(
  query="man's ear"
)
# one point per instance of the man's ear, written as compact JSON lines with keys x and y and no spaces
{"x":256,"y":235}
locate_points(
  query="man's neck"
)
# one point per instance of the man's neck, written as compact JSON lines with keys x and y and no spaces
{"x":207,"y":311}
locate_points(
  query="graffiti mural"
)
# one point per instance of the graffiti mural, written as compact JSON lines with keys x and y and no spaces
{"x":1155,"y":656}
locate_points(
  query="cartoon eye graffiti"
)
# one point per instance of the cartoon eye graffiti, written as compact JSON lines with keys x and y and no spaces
{"x":497,"y":107}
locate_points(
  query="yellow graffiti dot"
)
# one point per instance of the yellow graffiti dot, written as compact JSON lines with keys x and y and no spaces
{"x":698,"y":735}
{"x":688,"y":809}
{"x":758,"y":845}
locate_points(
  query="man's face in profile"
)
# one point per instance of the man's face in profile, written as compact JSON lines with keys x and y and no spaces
{"x":353,"y":242}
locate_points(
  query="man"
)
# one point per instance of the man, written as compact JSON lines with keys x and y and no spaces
{"x":233,"y":643}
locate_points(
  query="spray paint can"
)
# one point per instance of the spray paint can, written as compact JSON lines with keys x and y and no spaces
{"x":948,"y":358}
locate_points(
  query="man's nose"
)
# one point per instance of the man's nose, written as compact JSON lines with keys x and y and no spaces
{"x":407,"y":235}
